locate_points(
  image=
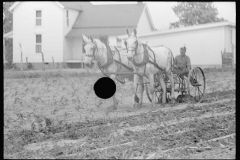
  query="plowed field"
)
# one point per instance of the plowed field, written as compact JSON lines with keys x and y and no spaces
{"x":58,"y":115}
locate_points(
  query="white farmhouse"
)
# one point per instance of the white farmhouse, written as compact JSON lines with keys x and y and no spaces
{"x":56,"y":28}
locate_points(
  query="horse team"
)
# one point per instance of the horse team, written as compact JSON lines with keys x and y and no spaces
{"x":138,"y":58}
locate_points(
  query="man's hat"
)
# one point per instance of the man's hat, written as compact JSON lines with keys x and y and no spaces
{"x":183,"y":48}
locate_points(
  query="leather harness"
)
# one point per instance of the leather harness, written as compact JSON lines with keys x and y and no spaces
{"x":145,"y":58}
{"x":110,"y":60}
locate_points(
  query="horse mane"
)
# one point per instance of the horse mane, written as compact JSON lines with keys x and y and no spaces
{"x":135,"y":36}
{"x":100,"y":44}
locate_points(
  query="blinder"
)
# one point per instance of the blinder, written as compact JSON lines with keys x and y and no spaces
{"x":125,"y":43}
{"x":94,"y":50}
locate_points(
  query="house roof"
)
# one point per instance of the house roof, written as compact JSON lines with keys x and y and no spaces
{"x":109,"y":15}
{"x":73,"y":5}
{"x":188,"y":28}
{"x":97,"y":31}
{"x":103,"y":19}
{"x":107,"y":19}
{"x":66,"y":5}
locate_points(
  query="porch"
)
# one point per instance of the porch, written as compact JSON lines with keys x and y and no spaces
{"x":75,"y":63}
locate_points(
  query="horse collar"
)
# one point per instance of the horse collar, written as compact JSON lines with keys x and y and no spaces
{"x":145,"y":58}
{"x":95,"y":50}
{"x":109,"y":58}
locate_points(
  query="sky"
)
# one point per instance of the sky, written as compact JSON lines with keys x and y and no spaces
{"x":162,"y":13}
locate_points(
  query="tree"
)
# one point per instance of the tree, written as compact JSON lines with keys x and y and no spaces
{"x":193,"y":13}
{"x":7,"y":17}
{"x":7,"y":27}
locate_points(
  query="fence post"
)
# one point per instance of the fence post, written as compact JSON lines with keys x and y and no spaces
{"x":27,"y":61}
{"x":232,"y":55}
{"x":43,"y":67}
{"x":21,"y":57}
{"x":222,"y":58}
{"x":53,"y":61}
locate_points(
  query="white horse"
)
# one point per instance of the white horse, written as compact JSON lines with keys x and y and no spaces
{"x":108,"y":62}
{"x":150,"y":61}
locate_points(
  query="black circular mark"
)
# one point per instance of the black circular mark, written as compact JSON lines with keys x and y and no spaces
{"x":105,"y":88}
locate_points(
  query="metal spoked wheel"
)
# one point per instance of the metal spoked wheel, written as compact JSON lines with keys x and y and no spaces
{"x":196,"y":84}
{"x":158,"y":90}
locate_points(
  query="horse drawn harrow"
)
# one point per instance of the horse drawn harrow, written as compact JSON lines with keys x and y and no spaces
{"x":191,"y":88}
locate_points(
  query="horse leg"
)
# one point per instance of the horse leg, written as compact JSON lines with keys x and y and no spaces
{"x":135,"y":84}
{"x":115,"y":101}
{"x":151,"y":81}
{"x":163,"y":85}
{"x":170,"y":76}
{"x":141,"y":91}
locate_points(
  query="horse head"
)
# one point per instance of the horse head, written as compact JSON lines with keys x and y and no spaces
{"x":131,"y":44}
{"x":90,"y":48}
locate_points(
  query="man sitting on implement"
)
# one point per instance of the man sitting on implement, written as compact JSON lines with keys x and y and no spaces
{"x":182,"y":63}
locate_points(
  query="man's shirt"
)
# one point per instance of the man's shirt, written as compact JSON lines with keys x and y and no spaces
{"x":182,"y":61}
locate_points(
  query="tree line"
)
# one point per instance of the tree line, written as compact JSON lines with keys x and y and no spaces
{"x":194,"y":13}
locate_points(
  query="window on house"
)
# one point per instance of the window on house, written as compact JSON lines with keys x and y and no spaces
{"x":67,"y":18}
{"x":38,"y":18}
{"x":38,"y":43}
{"x":119,"y":43}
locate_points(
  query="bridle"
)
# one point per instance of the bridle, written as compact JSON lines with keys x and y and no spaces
{"x":96,"y":57}
{"x":95,"y":49}
{"x":137,"y":44}
{"x":125,"y":43}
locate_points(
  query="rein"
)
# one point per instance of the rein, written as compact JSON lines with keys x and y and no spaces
{"x":110,"y":60}
{"x":95,"y":49}
{"x":145,"y":58}
{"x":109,"y":56}
{"x":121,"y":64}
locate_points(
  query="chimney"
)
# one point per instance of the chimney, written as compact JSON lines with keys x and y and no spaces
{"x":139,"y":2}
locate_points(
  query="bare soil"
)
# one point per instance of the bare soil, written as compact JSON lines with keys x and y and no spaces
{"x":57,"y":115}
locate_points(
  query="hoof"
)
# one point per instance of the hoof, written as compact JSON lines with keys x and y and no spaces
{"x":173,"y":104}
{"x":136,"y":99}
{"x":136,"y":105}
{"x":153,"y":108}
{"x":173,"y":101}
